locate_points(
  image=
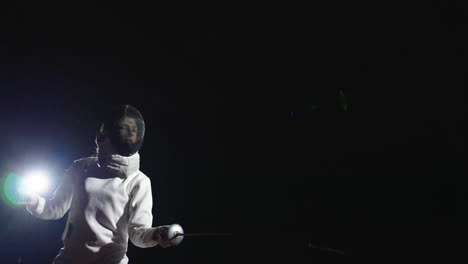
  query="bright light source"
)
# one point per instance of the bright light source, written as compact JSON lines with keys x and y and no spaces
{"x":36,"y":182}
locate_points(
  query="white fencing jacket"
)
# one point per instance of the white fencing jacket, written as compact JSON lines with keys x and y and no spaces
{"x":110,"y":201}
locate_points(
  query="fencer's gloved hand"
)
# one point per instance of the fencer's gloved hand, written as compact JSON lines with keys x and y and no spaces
{"x":161,"y":236}
{"x":29,"y":200}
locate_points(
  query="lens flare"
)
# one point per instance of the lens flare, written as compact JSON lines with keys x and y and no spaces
{"x":34,"y":183}
{"x":9,"y":189}
{"x":14,"y":188}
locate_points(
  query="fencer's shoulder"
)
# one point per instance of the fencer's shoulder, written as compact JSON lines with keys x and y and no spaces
{"x":140,"y":178}
{"x":138,"y":181}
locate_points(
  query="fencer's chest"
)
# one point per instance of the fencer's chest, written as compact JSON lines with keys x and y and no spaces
{"x":102,"y":190}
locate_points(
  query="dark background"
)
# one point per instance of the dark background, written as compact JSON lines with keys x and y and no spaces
{"x":294,"y":126}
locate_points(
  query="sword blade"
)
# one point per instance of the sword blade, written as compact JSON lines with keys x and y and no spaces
{"x":202,"y":234}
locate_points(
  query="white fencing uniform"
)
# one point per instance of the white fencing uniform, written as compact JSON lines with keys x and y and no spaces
{"x":110,"y":202}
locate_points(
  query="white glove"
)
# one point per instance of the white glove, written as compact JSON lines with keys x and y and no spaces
{"x":29,"y":200}
{"x":161,"y":236}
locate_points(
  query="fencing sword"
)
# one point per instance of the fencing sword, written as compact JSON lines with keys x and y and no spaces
{"x":176,"y":234}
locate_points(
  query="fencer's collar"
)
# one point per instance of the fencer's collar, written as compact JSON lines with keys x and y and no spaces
{"x":120,"y":165}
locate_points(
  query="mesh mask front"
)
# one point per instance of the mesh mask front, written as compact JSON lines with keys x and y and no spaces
{"x":125,"y":128}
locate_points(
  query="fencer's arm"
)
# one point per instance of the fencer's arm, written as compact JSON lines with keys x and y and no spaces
{"x":140,"y":216}
{"x":58,"y":205}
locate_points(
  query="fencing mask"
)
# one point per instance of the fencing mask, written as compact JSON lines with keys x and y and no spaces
{"x":125,"y":128}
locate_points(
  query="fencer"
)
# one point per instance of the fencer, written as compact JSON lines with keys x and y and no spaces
{"x":108,"y":198}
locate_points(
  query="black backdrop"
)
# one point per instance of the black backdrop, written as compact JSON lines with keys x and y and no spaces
{"x":247,"y":129}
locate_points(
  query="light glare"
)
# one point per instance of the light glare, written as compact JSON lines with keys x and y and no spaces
{"x":34,"y":183}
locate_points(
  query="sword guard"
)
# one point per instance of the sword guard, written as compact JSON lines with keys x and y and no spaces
{"x":175,"y":233}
